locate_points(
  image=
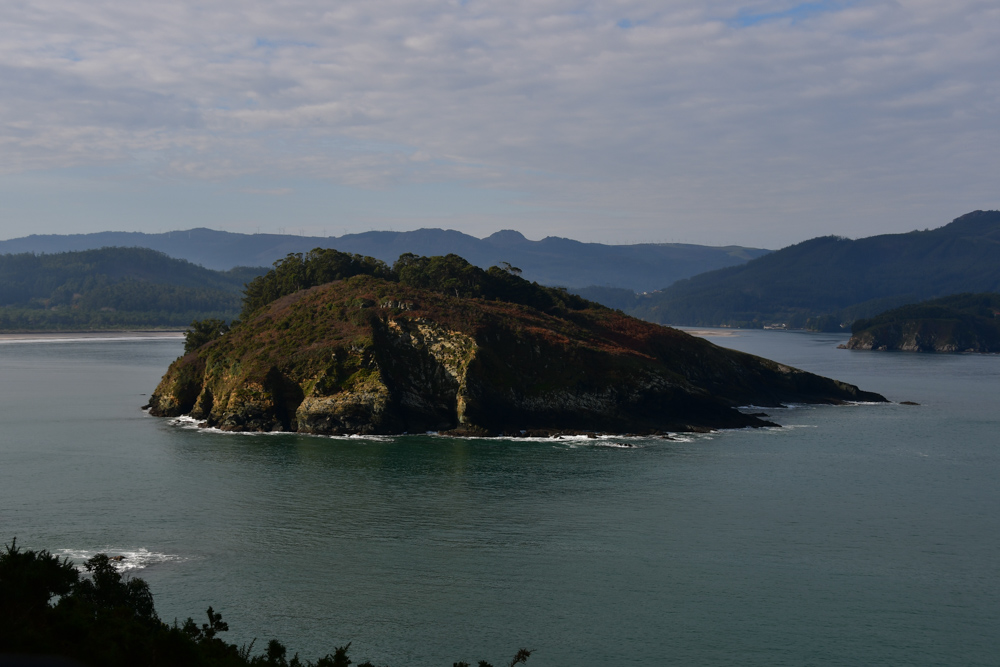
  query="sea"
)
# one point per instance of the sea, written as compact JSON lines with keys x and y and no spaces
{"x":852,"y":535}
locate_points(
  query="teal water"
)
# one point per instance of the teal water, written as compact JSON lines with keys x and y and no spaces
{"x":855,"y":535}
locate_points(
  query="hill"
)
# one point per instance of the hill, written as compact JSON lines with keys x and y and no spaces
{"x":551,"y":261}
{"x":438,"y":344}
{"x":958,"y":323}
{"x":113,"y":288}
{"x":826,"y":283}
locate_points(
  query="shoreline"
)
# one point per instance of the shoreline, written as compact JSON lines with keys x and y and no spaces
{"x":709,"y":333}
{"x":57,"y":336}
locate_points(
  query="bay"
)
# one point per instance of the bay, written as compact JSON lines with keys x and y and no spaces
{"x":853,"y":535}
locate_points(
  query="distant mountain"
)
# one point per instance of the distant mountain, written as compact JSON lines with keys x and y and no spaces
{"x":958,"y":323}
{"x":551,"y":261}
{"x":113,"y":288}
{"x":828,"y":282}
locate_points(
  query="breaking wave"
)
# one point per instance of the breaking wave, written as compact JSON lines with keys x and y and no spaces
{"x":131,"y":559}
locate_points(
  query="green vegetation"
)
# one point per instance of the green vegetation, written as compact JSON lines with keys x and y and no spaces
{"x":448,"y":274}
{"x":106,"y":619}
{"x":827,"y":283}
{"x":296,"y":272}
{"x":113,"y":288}
{"x":958,"y":323}
{"x":202,"y":332}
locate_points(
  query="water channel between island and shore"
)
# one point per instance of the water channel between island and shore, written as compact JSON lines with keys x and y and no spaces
{"x":854,"y":535}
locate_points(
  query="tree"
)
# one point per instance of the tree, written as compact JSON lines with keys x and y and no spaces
{"x":201,"y":332}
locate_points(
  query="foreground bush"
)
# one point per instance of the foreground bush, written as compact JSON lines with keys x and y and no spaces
{"x":106,"y":619}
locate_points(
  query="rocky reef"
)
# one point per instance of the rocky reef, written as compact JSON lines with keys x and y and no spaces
{"x":959,"y":323}
{"x":367,"y":355}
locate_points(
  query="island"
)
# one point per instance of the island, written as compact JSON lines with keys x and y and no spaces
{"x":331,"y":343}
{"x":957,"y":323}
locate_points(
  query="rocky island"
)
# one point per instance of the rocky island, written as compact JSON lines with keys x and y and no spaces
{"x":958,"y":323}
{"x":332,"y":343}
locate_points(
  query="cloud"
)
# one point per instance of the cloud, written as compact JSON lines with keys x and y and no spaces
{"x":717,"y":114}
{"x":275,"y":192}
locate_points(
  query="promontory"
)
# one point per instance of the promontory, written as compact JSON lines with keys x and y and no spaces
{"x":332,"y":343}
{"x":956,"y":323}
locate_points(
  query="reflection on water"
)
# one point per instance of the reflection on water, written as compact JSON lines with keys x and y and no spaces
{"x":857,"y":534}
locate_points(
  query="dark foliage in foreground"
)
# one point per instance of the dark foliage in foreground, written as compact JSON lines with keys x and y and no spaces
{"x":106,"y":619}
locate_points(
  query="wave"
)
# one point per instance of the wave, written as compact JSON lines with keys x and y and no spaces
{"x":192,"y":424}
{"x":131,"y":559}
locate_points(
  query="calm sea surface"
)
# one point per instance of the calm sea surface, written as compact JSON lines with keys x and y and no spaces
{"x":855,"y":535}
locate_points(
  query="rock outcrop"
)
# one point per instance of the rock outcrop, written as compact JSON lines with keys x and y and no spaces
{"x":959,"y":323}
{"x":371,"y":356}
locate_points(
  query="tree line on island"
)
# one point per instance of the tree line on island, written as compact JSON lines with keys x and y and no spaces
{"x":447,"y":274}
{"x":103,"y":618}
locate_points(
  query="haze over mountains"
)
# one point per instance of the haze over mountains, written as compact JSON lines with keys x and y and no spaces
{"x":551,"y":261}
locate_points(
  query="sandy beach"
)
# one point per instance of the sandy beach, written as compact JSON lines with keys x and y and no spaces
{"x":710,"y":333}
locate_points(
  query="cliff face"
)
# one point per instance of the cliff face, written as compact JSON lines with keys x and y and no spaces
{"x":959,"y":323}
{"x":927,"y":336}
{"x":368,"y":356}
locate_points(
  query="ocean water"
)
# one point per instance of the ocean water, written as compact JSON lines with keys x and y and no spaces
{"x":854,"y":535}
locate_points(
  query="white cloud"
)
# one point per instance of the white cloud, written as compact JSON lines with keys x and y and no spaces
{"x":725,"y":121}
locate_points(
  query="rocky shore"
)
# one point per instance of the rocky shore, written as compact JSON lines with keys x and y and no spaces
{"x":967,"y":323}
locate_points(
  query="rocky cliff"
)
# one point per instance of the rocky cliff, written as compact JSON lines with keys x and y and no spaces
{"x":371,"y":356}
{"x":959,"y":323}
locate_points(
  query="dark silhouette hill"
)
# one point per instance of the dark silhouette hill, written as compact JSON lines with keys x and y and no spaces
{"x":551,"y":261}
{"x":828,"y":282}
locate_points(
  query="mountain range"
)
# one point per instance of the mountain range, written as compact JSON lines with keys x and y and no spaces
{"x":551,"y":261}
{"x":828,"y":282}
{"x":824,"y":283}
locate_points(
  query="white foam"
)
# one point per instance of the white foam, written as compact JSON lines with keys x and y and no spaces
{"x":132,"y":559}
{"x":190,"y":423}
{"x":617,"y":444}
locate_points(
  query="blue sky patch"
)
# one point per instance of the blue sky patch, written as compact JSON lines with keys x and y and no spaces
{"x":795,"y":14}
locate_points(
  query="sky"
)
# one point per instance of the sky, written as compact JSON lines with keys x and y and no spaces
{"x":618,"y":121}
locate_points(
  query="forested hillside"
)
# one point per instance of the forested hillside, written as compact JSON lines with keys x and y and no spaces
{"x":113,"y":288}
{"x":826,"y":283}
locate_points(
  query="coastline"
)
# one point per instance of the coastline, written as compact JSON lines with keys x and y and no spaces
{"x":709,"y":333}
{"x":64,"y":336}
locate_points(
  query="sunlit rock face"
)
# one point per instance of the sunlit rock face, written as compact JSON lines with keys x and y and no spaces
{"x":367,"y":356}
